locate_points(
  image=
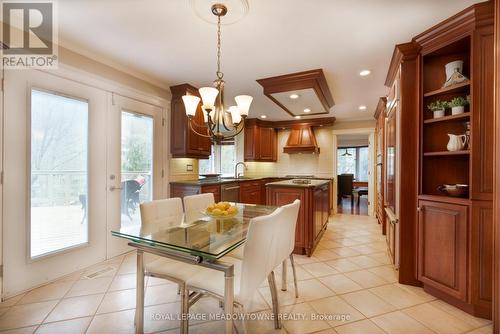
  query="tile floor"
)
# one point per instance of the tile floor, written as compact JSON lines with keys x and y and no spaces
{"x":347,"y":286}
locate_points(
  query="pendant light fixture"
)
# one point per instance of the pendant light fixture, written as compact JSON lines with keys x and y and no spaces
{"x":222,"y":123}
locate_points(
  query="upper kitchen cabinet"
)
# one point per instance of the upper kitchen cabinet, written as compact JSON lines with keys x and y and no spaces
{"x":261,"y":142}
{"x":184,"y":142}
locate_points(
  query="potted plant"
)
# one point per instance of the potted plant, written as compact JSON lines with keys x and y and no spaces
{"x":437,"y":107}
{"x":457,"y":105}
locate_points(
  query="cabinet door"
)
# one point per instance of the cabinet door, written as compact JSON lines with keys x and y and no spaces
{"x":212,"y":189}
{"x":196,"y":144}
{"x":442,"y":247}
{"x":250,"y":138}
{"x":267,"y":143}
{"x":178,"y":129}
{"x":318,"y":211}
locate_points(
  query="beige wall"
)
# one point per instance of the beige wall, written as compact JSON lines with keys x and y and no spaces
{"x":178,"y":169}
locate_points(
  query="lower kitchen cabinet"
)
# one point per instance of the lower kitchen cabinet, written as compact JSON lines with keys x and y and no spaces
{"x":313,"y":212}
{"x":442,"y":247}
{"x":182,"y":190}
{"x":251,"y":192}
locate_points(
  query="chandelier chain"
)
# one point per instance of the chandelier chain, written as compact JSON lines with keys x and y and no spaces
{"x":219,"y":73}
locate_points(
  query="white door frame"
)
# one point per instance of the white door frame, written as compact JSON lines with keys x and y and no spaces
{"x":371,"y":167}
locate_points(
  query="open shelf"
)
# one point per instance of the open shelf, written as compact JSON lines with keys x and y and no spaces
{"x":447,"y":118}
{"x":461,"y":87}
{"x":447,"y":153}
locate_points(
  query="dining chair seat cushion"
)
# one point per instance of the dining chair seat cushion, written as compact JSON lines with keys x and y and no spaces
{"x":175,"y":269}
{"x":213,"y":280}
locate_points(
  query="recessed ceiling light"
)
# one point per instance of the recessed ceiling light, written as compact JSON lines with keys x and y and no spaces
{"x":362,"y":107}
{"x":298,"y":117}
{"x":263,"y":116}
{"x":364,"y":73}
{"x":294,"y":96}
{"x":307,"y":110}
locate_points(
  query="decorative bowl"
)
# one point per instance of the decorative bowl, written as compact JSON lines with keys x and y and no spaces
{"x":454,"y":190}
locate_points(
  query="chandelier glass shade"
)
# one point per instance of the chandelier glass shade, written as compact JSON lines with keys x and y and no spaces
{"x":221,"y":123}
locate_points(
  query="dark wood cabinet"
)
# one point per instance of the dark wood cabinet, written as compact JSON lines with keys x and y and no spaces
{"x":261,"y":141}
{"x":313,"y":212}
{"x":380,"y":146}
{"x":251,"y":192}
{"x":181,"y":190}
{"x":442,"y":247}
{"x":185,"y":143}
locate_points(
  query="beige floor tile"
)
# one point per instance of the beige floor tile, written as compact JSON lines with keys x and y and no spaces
{"x":470,"y":319}
{"x":325,"y":255}
{"x":308,"y":290}
{"x":73,"y":326}
{"x":343,"y":265}
{"x":319,"y":269}
{"x":340,"y":283}
{"x":428,"y":315}
{"x":381,"y":257}
{"x":24,"y":330}
{"x":483,"y":330}
{"x":398,"y":296}
{"x":386,"y":272}
{"x":90,"y":286}
{"x":338,"y":312}
{"x":12,"y":300}
{"x":123,"y":282}
{"x":161,"y":294}
{"x":26,"y":315}
{"x":364,"y":261}
{"x":75,"y":307}
{"x":302,"y":259}
{"x":359,"y":327}
{"x":264,"y":325}
{"x":365,"y":278}
{"x":117,"y":301}
{"x":116,"y":323}
{"x":104,"y":269}
{"x":346,"y":251}
{"x":161,"y":317}
{"x":305,"y":322}
{"x":418,"y":291}
{"x":152,"y":281}
{"x":398,"y":322}
{"x":47,"y":292}
{"x":368,"y":303}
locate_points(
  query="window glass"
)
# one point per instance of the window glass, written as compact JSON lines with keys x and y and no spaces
{"x":362,"y":172}
{"x":59,"y":173}
{"x":227,"y":159}
{"x":346,"y":161}
{"x":207,"y":166}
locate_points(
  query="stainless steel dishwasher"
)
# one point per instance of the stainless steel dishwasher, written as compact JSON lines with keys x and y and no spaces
{"x":230,"y":192}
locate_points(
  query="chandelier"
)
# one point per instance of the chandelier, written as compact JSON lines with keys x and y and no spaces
{"x":221,"y":124}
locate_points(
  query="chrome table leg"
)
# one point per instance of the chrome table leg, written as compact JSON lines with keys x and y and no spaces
{"x":229,"y":299}
{"x":294,"y":276}
{"x":185,"y":308}
{"x":283,"y":275}
{"x":275,"y":301}
{"x":139,"y":294}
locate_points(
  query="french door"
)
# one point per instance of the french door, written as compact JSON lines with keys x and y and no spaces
{"x":78,"y":161}
{"x":134,"y":163}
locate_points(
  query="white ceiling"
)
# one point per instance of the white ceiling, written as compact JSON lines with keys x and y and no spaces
{"x":166,"y":43}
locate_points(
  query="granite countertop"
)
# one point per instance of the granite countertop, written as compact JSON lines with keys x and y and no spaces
{"x":215,"y":181}
{"x":289,"y":183}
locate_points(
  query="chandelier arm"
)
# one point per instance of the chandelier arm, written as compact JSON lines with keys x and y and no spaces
{"x":199,"y":134}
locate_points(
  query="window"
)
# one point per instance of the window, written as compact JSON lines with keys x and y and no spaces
{"x":59,"y":174}
{"x":353,"y":160}
{"x":221,"y":160}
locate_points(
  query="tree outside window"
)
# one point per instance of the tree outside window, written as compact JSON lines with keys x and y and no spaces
{"x":353,"y":160}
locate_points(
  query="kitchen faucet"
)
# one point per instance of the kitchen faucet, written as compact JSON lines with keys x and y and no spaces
{"x":236,"y":175}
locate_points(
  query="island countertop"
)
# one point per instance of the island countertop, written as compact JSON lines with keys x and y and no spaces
{"x":217,"y":181}
{"x":290,"y":183}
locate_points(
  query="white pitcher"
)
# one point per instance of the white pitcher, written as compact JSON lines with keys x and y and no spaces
{"x":456,"y":142}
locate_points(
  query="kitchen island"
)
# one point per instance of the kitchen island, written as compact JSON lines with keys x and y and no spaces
{"x":314,"y":196}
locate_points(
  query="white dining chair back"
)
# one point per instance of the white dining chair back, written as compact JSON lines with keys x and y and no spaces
{"x":198,"y":202}
{"x":160,"y":209}
{"x":288,"y":223}
{"x":260,"y":254}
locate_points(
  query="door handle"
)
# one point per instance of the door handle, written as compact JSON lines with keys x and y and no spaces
{"x":113,"y":188}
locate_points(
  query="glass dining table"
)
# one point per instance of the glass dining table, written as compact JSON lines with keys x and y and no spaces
{"x":194,"y":238}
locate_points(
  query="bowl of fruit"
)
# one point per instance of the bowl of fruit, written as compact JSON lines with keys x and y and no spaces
{"x":221,"y":210}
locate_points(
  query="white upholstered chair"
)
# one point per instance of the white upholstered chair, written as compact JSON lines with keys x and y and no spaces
{"x":266,"y":243}
{"x":152,"y":213}
{"x":198,"y":202}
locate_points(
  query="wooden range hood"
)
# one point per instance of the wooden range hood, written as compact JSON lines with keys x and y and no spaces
{"x":301,"y":140}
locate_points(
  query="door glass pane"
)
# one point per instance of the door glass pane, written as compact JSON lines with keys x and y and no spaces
{"x":136,"y":165}
{"x":59,"y":150}
{"x":346,"y":161}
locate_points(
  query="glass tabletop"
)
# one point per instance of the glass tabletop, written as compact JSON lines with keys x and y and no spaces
{"x":196,"y":233}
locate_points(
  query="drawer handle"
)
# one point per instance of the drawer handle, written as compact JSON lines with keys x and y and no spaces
{"x":232,"y":188}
